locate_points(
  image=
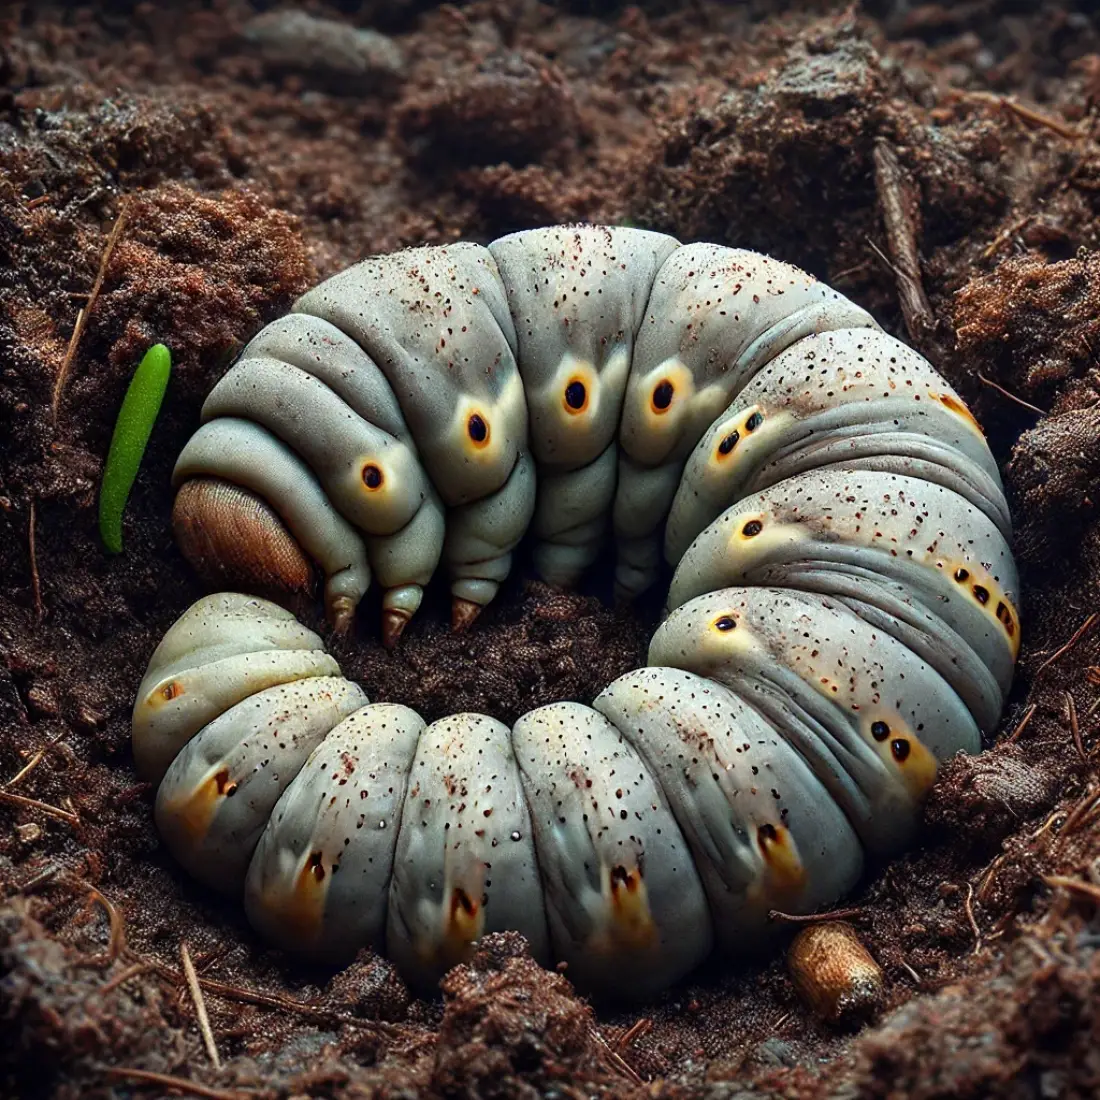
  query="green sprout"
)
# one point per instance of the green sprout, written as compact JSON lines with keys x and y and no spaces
{"x":132,"y":430}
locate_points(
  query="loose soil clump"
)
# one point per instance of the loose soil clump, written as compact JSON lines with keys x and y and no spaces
{"x":938,"y":163}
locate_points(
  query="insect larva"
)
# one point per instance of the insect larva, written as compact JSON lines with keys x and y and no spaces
{"x":841,"y":618}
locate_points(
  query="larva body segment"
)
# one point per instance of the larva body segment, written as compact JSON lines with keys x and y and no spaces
{"x":716,"y":316}
{"x":372,"y":478}
{"x":917,"y":560}
{"x":222,"y":650}
{"x":870,"y":718}
{"x":578,"y":298}
{"x":319,"y":880}
{"x":465,"y":861}
{"x":436,"y":322}
{"x":625,"y":904}
{"x":218,"y":793}
{"x":841,"y":620}
{"x":855,"y":398}
{"x":762,"y":830}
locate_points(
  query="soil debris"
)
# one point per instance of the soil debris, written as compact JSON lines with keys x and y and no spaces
{"x":750,"y":125}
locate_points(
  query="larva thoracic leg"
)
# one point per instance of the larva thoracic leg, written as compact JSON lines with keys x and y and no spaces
{"x":843,"y":615}
{"x":248,"y":455}
{"x":436,"y":322}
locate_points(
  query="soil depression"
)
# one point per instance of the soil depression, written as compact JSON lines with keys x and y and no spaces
{"x":939,"y":164}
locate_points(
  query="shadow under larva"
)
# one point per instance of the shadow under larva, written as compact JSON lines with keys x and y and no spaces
{"x":842,"y":617}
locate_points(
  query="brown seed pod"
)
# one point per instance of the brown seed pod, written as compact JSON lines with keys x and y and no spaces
{"x":233,"y":539}
{"x":833,"y":972}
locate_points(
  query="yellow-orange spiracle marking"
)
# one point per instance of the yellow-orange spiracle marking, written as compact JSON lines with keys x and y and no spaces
{"x":724,"y":623}
{"x":953,"y":404}
{"x":172,"y":690}
{"x":372,"y":477}
{"x":661,"y":400}
{"x":477,"y":427}
{"x":575,"y":398}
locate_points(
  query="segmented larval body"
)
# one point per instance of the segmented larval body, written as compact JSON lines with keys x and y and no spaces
{"x":841,"y":619}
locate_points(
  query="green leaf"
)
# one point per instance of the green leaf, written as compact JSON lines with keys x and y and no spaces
{"x":135,"y":423}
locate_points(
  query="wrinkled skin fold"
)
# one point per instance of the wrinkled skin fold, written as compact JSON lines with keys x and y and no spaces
{"x":842,"y":616}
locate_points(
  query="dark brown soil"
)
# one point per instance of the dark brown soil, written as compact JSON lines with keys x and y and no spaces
{"x":245,"y":180}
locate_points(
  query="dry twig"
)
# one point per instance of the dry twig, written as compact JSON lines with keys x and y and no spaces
{"x":34,"y":761}
{"x":287,"y":1004}
{"x":1075,"y":886}
{"x":1074,"y":727}
{"x":995,"y":245}
{"x":1021,"y":725}
{"x":85,"y":312}
{"x":813,"y":918}
{"x":125,"y":975}
{"x":1078,"y":634}
{"x":42,"y":807}
{"x":968,"y":906}
{"x":200,"y":1005}
{"x":179,"y":1084}
{"x":1011,"y":396}
{"x":615,"y":1059}
{"x":1028,"y":114}
{"x":32,"y":550}
{"x":116,"y":945}
{"x":900,"y":212}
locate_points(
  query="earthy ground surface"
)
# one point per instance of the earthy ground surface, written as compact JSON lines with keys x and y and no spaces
{"x":837,"y":138}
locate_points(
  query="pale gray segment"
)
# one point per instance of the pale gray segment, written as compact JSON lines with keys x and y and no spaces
{"x":225,"y":624}
{"x":482,"y":535}
{"x":571,"y":518}
{"x":870,"y":717}
{"x":646,"y":492}
{"x":218,"y":793}
{"x":318,"y":883}
{"x":627,"y":911}
{"x":334,"y":441}
{"x":917,"y":557}
{"x":249,"y":456}
{"x":173,"y":704}
{"x":577,"y":294}
{"x":436,"y":322}
{"x":716,"y":316}
{"x":465,"y":861}
{"x":763,"y":832}
{"x":313,"y":345}
{"x":856,"y":398}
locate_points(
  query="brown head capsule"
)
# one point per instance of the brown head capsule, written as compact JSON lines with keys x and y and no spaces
{"x":233,"y":539}
{"x":833,"y":972}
